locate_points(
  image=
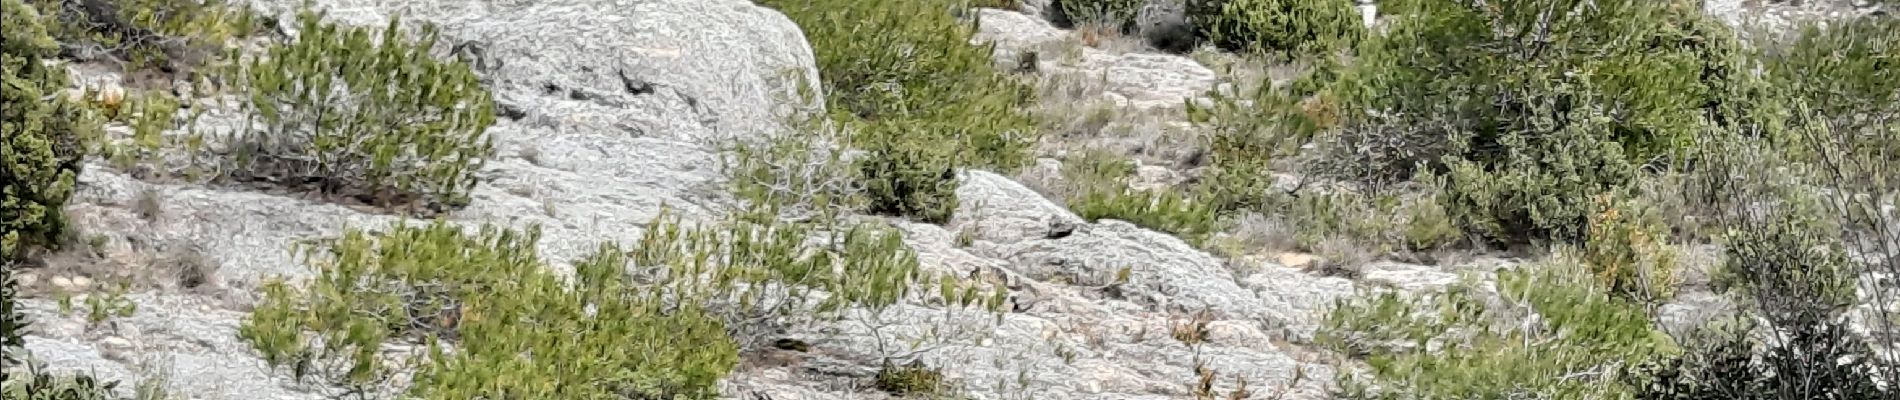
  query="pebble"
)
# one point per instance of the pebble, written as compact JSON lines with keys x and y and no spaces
{"x":63,"y":282}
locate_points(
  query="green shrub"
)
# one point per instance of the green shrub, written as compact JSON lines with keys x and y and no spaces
{"x":1246,"y":133}
{"x":1114,"y":14}
{"x":165,"y":34}
{"x":12,"y":323}
{"x":920,"y":100}
{"x":1722,"y":363}
{"x":1288,"y":27}
{"x":1842,"y":76}
{"x":1390,"y":222}
{"x":1530,"y":127}
{"x":41,"y":135}
{"x":37,"y":384}
{"x":1167,"y":211}
{"x":1099,"y":189}
{"x":517,"y":331}
{"x":378,"y":118}
{"x":1457,"y":345}
{"x":909,"y":379}
{"x":1626,"y":246}
{"x":692,"y":296}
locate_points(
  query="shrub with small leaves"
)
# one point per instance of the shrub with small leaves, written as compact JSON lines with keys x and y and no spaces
{"x":373,"y":115}
{"x":1288,"y":27}
{"x":1460,"y":345}
{"x":1626,"y":246}
{"x":35,"y":383}
{"x":1101,"y":191}
{"x":913,"y":379}
{"x":13,"y":323}
{"x":166,"y":34}
{"x":919,"y":99}
{"x":1530,"y":113}
{"x":41,"y":135}
{"x":496,"y":322}
{"x":1816,"y":359}
{"x":1112,"y":14}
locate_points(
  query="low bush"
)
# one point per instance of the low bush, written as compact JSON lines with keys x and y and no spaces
{"x":12,"y":322}
{"x":372,"y":115}
{"x":42,"y":135}
{"x":1112,"y":14}
{"x":35,"y":383}
{"x":480,"y":301}
{"x":1286,"y":27}
{"x":1396,"y":221}
{"x":1841,"y":75}
{"x":1626,"y":245}
{"x":1819,"y":358}
{"x":920,"y":100}
{"x":1529,"y":124}
{"x":170,"y":35}
{"x":1246,"y":133}
{"x":1461,"y":345}
{"x":487,"y":297}
{"x":1166,"y":211}
{"x":1789,"y":267}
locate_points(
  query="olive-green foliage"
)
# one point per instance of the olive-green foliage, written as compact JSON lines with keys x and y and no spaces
{"x":1286,"y":27}
{"x":1843,"y":75}
{"x":1116,"y":14}
{"x":34,"y":383}
{"x":40,"y":135}
{"x":1721,"y":362}
{"x":1626,"y":247}
{"x":166,"y":34}
{"x":516,"y":329}
{"x":1532,"y":123}
{"x":920,"y":99}
{"x":909,"y":379}
{"x":1575,"y":350}
{"x":1167,"y":211}
{"x":1388,"y":221}
{"x":12,"y":323}
{"x":376,"y":117}
{"x":1102,"y":191}
{"x":1245,"y":134}
{"x":691,"y":296}
{"x":1842,"y":69}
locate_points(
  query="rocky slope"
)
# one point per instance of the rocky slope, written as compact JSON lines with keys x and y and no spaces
{"x":615,"y":109}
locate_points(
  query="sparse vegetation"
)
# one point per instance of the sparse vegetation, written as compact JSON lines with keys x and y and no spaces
{"x":1460,"y":345}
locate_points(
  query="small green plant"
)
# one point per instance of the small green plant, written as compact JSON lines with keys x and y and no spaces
{"x":1166,"y":211}
{"x":913,"y":379}
{"x":1287,"y":27}
{"x":368,"y":114}
{"x":103,"y":306}
{"x":41,"y":135}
